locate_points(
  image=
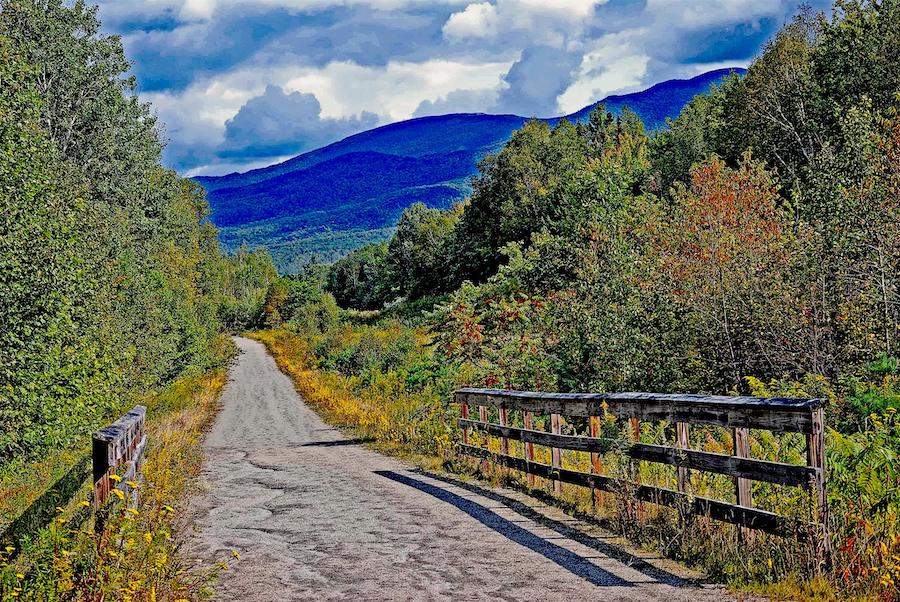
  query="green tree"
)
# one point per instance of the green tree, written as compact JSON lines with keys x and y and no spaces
{"x":416,"y":254}
{"x":360,"y":280}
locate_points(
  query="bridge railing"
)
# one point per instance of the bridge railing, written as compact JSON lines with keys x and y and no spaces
{"x":737,"y":413}
{"x":117,"y":446}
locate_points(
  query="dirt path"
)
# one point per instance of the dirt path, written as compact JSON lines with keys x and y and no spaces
{"x":316,"y":516}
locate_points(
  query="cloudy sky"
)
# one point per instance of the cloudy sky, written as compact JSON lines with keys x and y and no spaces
{"x":245,"y":83}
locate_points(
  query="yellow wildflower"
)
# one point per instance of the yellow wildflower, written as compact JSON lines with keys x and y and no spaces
{"x":115,"y":477}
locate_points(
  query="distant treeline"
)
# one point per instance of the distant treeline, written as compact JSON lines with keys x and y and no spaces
{"x":111,"y":279}
{"x":756,"y":236}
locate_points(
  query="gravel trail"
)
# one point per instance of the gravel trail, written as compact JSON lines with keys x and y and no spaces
{"x":317,"y":516}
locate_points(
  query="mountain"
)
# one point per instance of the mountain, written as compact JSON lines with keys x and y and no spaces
{"x":326,"y":202}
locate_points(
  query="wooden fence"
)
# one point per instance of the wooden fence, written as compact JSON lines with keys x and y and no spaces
{"x":737,"y":413}
{"x":118,"y":445}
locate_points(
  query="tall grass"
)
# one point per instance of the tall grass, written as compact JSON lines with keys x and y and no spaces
{"x":385,"y":381}
{"x":136,"y":556}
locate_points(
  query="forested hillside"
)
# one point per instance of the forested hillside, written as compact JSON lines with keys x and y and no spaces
{"x":751,"y":247}
{"x":324,"y":203}
{"x":111,"y":279}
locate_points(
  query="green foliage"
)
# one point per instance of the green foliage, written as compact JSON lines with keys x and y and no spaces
{"x":360,"y":280}
{"x":111,"y":279}
{"x":417,"y":253}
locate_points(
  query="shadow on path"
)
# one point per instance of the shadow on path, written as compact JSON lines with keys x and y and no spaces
{"x":338,"y":443}
{"x":607,"y":549}
{"x":567,"y":559}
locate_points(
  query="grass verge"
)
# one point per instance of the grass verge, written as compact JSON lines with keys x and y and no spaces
{"x":136,"y":557}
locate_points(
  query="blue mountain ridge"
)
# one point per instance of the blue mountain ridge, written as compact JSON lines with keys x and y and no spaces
{"x":326,"y":202}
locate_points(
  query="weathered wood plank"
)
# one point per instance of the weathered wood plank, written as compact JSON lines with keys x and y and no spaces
{"x":682,"y":443}
{"x":504,"y":421}
{"x":815,"y":458}
{"x":464,"y":413}
{"x":721,"y":511}
{"x":596,"y":461}
{"x":726,"y":400}
{"x":748,"y":468}
{"x":529,"y":446}
{"x":742,"y":451}
{"x":634,"y":434}
{"x":485,"y":442}
{"x":736,"y":412}
{"x":555,"y":453}
{"x":742,"y":485}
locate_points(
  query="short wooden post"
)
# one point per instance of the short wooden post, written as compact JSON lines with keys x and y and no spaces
{"x":555,"y":452}
{"x":464,"y":414}
{"x":682,"y":436}
{"x":635,"y":428}
{"x":504,"y":421}
{"x":596,"y":463}
{"x":486,"y":439}
{"x":100,"y":470}
{"x":742,"y":486}
{"x":529,"y":447}
{"x":815,"y":458}
{"x":120,"y":444}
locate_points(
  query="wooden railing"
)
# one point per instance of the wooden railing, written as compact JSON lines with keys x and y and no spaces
{"x":119,"y":445}
{"x":737,"y":413}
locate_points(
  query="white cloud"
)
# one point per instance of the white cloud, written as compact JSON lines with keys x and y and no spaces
{"x":617,"y":63}
{"x":196,"y":116}
{"x":198,"y":9}
{"x":388,"y":57}
{"x":544,"y":21}
{"x":476,"y":21}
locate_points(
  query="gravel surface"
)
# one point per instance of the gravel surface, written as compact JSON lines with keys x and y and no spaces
{"x":317,"y":516}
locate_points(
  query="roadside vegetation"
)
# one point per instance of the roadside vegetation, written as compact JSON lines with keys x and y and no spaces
{"x":113,"y":291}
{"x":136,"y":555}
{"x":752,"y":247}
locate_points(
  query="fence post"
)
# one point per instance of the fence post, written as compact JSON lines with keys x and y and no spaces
{"x":121,"y":443}
{"x":682,"y":441}
{"x":100,"y":470}
{"x":555,"y":452}
{"x":815,"y":458}
{"x":486,"y":438}
{"x":635,"y":508}
{"x":504,"y":421}
{"x":596,"y":464}
{"x":742,"y":486}
{"x":529,"y":447}
{"x":464,"y":413}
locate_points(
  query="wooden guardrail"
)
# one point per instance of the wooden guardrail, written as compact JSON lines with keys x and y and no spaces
{"x":118,"y":445}
{"x":737,"y":413}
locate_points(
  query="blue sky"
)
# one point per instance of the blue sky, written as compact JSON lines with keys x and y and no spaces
{"x":246,"y":83}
